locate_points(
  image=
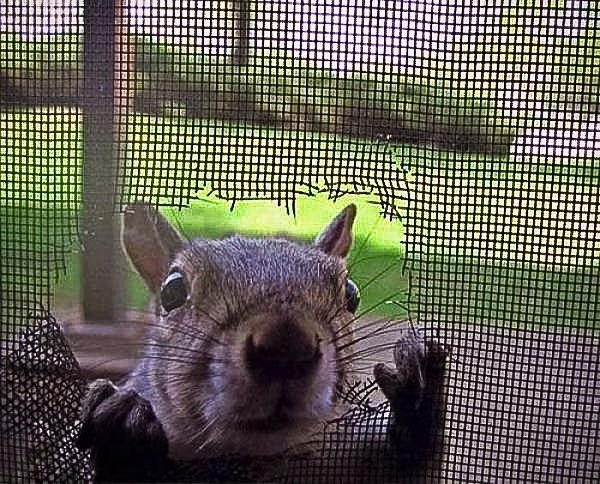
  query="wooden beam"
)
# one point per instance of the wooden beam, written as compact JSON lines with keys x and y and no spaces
{"x":101,"y":257}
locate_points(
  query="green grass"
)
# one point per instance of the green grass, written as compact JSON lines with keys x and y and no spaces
{"x":54,"y":50}
{"x":529,"y":168}
{"x":40,"y":165}
{"x":375,"y":263}
{"x":40,"y":159}
{"x":513,"y":293}
{"x":539,"y":268}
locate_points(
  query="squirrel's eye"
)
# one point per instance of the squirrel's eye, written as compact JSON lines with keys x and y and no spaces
{"x":352,"y":296}
{"x":173,"y":292}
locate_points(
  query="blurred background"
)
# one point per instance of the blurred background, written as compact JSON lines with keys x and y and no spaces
{"x":467,"y":133}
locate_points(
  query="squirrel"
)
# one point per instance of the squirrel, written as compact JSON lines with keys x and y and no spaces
{"x":247,"y":355}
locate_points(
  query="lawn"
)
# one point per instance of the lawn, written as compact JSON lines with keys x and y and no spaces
{"x":375,"y":262}
{"x":40,"y":154}
{"x":490,"y":239}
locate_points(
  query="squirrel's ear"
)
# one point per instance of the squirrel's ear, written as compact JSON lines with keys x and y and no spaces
{"x":337,"y":238}
{"x":150,"y":242}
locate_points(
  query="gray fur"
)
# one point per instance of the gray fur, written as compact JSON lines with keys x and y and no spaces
{"x":195,"y":371}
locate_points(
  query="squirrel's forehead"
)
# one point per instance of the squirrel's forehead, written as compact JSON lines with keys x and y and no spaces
{"x":255,"y":261}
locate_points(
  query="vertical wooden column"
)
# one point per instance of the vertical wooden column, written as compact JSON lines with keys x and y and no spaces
{"x":241,"y":48}
{"x":102,"y":111}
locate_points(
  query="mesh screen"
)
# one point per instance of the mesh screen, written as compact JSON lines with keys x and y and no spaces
{"x":474,"y":125}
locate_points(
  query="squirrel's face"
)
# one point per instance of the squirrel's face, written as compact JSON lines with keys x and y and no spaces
{"x":252,"y":339}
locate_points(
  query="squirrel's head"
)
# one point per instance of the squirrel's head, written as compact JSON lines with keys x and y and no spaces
{"x":253,"y":337}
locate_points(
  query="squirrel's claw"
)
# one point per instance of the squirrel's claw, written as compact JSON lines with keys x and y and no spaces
{"x":98,"y":391}
{"x":405,"y":384}
{"x":415,"y":390}
{"x":122,"y":432}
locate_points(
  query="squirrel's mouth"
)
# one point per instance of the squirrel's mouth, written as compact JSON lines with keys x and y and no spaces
{"x":276,"y":422}
{"x":286,"y":413}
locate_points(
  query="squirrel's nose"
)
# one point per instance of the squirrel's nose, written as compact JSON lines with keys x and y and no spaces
{"x":281,"y":348}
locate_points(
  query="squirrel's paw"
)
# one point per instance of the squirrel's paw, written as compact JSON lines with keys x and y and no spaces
{"x":121,"y":430}
{"x":415,"y":390}
{"x":405,"y":384}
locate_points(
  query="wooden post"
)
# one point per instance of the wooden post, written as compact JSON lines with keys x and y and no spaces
{"x":101,"y":257}
{"x":241,"y":48}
